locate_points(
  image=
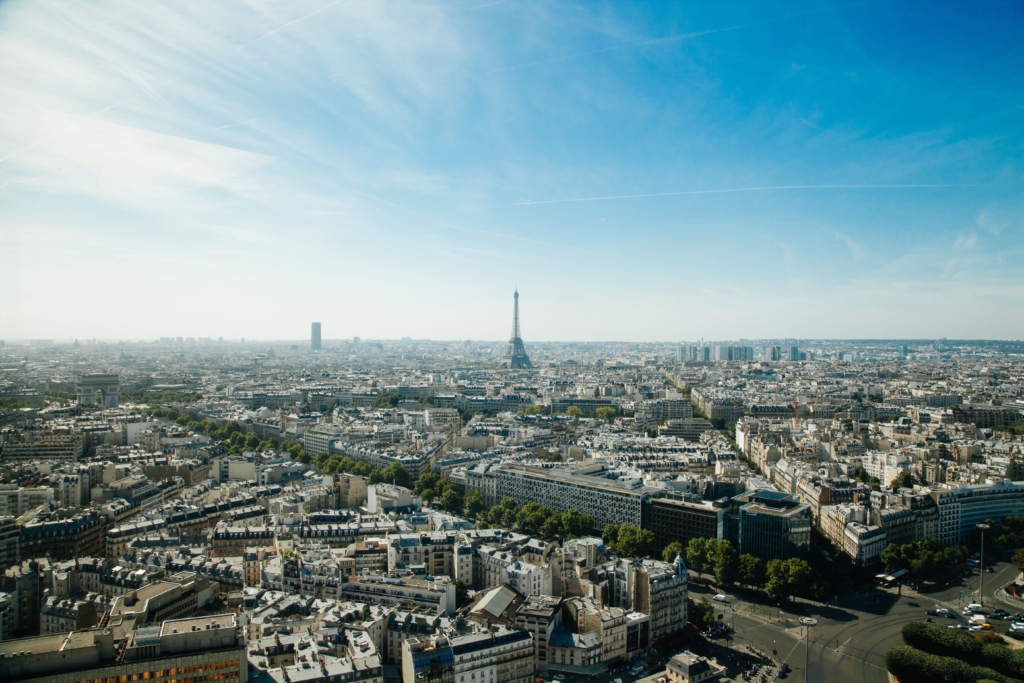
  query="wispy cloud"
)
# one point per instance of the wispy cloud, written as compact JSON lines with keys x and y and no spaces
{"x":732,"y":190}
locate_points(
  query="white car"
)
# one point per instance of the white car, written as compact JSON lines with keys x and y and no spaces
{"x":808,"y":621}
{"x":722,"y":597}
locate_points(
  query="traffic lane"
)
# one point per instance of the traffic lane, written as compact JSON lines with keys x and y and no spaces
{"x":950,"y":599}
{"x":856,"y":651}
{"x":852,"y":649}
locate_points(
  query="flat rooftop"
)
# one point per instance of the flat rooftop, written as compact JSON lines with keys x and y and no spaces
{"x":52,"y":643}
{"x":198,"y":624}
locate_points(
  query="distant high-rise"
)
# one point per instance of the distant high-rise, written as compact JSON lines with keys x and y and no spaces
{"x":516,"y":352}
{"x":314,"y":339}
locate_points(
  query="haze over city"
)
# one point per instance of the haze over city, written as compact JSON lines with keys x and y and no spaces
{"x":651,"y":171}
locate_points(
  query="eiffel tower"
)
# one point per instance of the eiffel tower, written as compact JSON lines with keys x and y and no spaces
{"x":516,"y":352}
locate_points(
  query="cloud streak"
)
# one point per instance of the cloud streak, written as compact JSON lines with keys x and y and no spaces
{"x":734,"y":190}
{"x":674,"y":38}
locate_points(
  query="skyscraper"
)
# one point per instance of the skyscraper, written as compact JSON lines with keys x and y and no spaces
{"x":314,"y":341}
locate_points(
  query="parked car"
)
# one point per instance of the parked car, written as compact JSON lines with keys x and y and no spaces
{"x":720,"y":597}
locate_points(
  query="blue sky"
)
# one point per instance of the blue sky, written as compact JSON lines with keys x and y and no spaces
{"x":642,"y":171}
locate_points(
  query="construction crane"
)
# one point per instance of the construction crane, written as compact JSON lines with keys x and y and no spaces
{"x":796,"y":412}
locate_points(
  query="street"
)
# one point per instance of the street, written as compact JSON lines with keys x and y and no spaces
{"x":850,"y":640}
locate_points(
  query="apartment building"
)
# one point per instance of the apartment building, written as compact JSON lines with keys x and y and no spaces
{"x":437,"y":596}
{"x":607,"y":500}
{"x":963,"y":506}
{"x":687,"y":429}
{"x":540,"y":615}
{"x":660,"y":590}
{"x":60,"y":447}
{"x":608,"y":623}
{"x":231,"y":541}
{"x":434,"y":551}
{"x":483,"y":477}
{"x":17,"y":500}
{"x":63,"y":539}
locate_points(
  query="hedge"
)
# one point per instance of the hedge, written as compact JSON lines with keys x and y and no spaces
{"x":914,"y":666}
{"x":943,"y":641}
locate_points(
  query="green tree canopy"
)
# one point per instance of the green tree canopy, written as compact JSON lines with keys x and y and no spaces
{"x":632,"y":542}
{"x":672,"y":550}
{"x":725,"y":562}
{"x":474,"y":504}
{"x":697,"y":554}
{"x":751,"y":570}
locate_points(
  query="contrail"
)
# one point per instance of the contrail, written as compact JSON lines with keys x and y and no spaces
{"x":733,"y":190}
{"x":679,"y":36}
{"x":653,"y":41}
{"x":289,"y":23}
{"x":974,"y":87}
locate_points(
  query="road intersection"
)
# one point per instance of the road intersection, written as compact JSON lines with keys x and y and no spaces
{"x":850,"y":639}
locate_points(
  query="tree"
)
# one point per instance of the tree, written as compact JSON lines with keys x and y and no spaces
{"x":393,"y":473}
{"x":800,"y":577}
{"x":697,"y":554}
{"x":702,"y":611}
{"x":321,"y":459}
{"x":531,"y":518}
{"x":633,"y":542}
{"x":427,"y":480}
{"x":789,"y":577}
{"x":610,"y":534}
{"x":777,"y":581}
{"x":474,"y":503}
{"x":575,"y":523}
{"x":451,"y":500}
{"x":1018,"y":560}
{"x":461,"y":593}
{"x":904,"y":479}
{"x":672,"y":550}
{"x":552,"y":526}
{"x":605,"y":413}
{"x":725,"y":564}
{"x":252,"y":441}
{"x":751,"y":570}
{"x":574,"y":411}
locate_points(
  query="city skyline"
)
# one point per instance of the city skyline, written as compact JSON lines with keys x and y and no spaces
{"x":640,"y":171}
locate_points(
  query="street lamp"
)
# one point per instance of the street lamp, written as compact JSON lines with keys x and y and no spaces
{"x":807,"y":650}
{"x":983,"y":528}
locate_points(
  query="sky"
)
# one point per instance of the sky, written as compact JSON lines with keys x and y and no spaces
{"x":640,"y":171}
